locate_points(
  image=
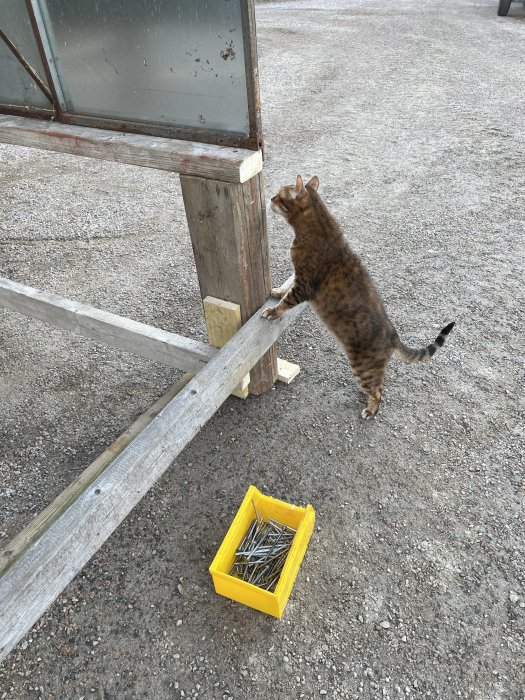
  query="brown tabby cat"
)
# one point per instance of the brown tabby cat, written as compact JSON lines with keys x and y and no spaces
{"x":331,"y":277}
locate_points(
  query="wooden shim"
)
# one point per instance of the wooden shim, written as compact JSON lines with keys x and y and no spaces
{"x":288,"y":371}
{"x":223,"y":320}
{"x":41,"y":574}
{"x":21,"y":542}
{"x":227,"y":224}
{"x":147,"y":341}
{"x":185,"y":157}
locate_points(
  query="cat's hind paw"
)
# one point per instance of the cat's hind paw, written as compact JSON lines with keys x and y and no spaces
{"x":367,"y":414}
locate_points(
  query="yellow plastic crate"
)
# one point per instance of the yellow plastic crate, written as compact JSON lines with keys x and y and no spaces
{"x":300,"y":519}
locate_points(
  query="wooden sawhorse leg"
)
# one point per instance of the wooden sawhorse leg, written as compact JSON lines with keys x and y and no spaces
{"x":227,"y":223}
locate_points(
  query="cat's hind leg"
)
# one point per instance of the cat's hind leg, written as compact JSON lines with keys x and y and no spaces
{"x":370,"y":379}
{"x":374,"y":399}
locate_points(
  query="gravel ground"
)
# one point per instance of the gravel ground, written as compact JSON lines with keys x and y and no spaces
{"x":412,"y":113}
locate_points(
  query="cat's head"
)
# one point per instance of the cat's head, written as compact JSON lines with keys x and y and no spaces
{"x":292,"y":199}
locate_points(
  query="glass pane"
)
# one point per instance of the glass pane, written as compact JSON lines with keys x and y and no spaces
{"x":16,"y":85}
{"x":172,"y":62}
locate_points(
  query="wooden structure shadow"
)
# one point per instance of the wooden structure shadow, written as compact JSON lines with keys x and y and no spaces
{"x":224,"y":200}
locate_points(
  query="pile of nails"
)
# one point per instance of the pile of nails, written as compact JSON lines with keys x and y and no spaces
{"x":262,"y":553}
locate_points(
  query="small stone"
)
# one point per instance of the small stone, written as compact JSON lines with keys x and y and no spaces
{"x":513,"y":597}
{"x":385,"y":624}
{"x":179,"y":623}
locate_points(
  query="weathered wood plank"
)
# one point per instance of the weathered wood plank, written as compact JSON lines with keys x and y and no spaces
{"x":227,"y":224}
{"x":139,"y":338}
{"x":40,"y":575}
{"x":21,"y":542}
{"x":185,"y":157}
{"x":223,"y":320}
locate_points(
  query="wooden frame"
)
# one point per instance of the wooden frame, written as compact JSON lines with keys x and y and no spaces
{"x":223,"y":191}
{"x":33,"y":580}
{"x":223,"y":195}
{"x":251,"y":139}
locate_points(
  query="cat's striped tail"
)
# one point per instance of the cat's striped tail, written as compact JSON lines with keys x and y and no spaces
{"x":406,"y":353}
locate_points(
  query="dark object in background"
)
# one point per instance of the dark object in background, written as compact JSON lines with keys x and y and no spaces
{"x":504,"y":7}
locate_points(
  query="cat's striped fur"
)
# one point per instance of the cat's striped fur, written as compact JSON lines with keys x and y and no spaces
{"x":332,"y":278}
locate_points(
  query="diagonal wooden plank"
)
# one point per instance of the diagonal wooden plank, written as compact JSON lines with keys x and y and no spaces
{"x":21,"y":542}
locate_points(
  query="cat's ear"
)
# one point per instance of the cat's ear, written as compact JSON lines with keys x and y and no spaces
{"x":299,"y":187}
{"x":314,"y":183}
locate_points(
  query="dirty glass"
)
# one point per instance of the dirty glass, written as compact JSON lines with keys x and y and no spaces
{"x":17,"y":87}
{"x":172,"y":62}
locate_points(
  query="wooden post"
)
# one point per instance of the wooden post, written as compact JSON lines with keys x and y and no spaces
{"x":227,"y":223}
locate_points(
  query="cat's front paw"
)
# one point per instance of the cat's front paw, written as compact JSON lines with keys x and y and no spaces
{"x":278,"y":292}
{"x":367,"y":414}
{"x":272,"y":313}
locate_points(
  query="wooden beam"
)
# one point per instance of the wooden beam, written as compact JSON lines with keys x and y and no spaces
{"x":227,"y":224}
{"x":223,"y":320}
{"x":185,"y":157}
{"x":21,"y":542}
{"x":40,"y":575}
{"x":139,"y":338}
